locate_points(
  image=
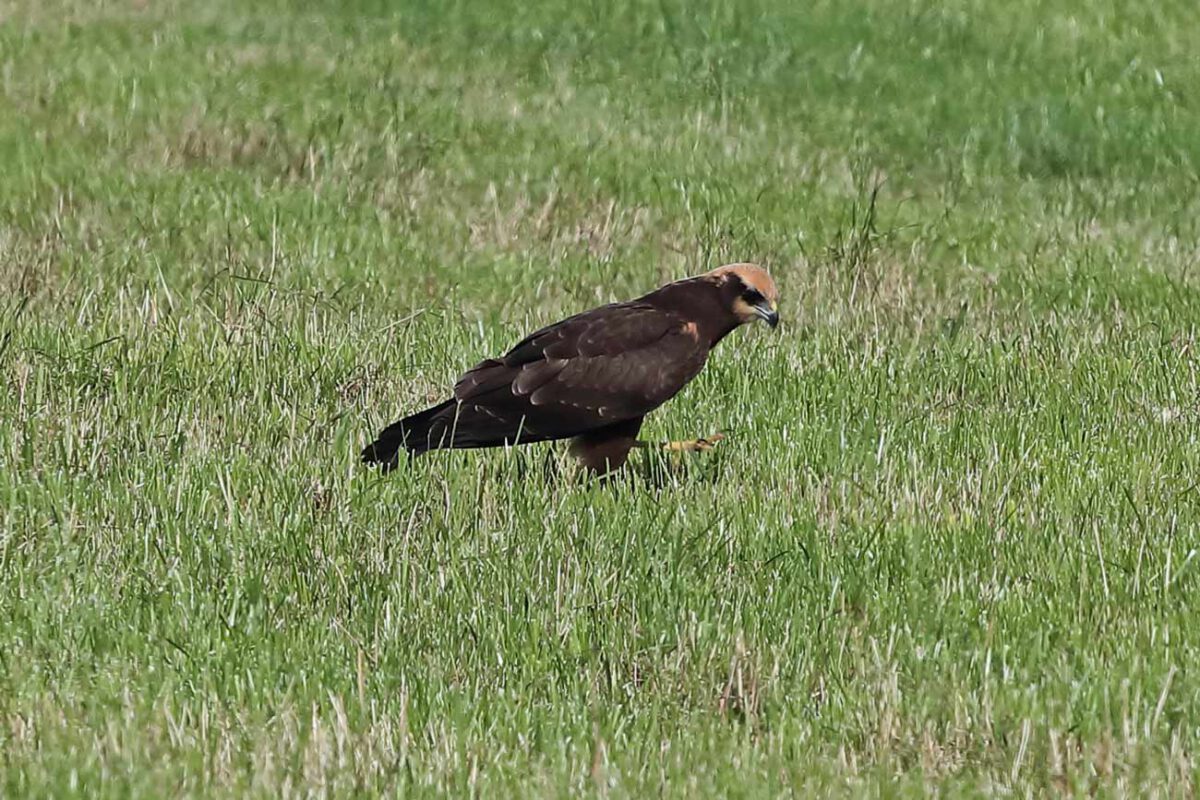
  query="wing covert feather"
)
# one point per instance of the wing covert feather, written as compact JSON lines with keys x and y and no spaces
{"x":612,"y":363}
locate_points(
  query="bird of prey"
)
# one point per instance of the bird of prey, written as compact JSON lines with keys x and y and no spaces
{"x":592,"y":377}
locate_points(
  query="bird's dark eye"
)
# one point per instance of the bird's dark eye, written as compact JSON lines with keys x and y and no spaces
{"x":753,"y":297}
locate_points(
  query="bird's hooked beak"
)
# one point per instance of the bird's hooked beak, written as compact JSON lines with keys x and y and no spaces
{"x":766,"y":309}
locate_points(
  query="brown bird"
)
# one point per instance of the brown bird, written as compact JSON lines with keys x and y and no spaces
{"x":593,"y":377}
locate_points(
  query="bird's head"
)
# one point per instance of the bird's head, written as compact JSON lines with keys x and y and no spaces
{"x":748,"y":291}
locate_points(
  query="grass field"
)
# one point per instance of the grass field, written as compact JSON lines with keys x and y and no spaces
{"x":950,"y":545}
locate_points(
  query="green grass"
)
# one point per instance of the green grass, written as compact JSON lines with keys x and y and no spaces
{"x":950,"y":545}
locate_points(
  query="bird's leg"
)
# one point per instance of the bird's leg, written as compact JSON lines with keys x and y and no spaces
{"x":693,"y":445}
{"x":686,"y":445}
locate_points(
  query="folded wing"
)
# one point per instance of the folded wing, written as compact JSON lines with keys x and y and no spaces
{"x":613,"y":363}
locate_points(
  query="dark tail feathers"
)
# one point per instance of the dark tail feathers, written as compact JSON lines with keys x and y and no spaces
{"x":425,"y":430}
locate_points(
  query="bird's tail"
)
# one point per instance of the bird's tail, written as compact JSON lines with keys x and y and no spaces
{"x":425,"y":430}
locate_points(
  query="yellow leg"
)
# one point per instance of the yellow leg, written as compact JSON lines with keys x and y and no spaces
{"x":686,"y":446}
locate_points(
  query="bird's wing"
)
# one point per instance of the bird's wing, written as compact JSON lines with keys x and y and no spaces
{"x":614,"y":363}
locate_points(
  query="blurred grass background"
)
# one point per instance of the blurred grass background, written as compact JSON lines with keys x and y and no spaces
{"x":949,"y":546}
